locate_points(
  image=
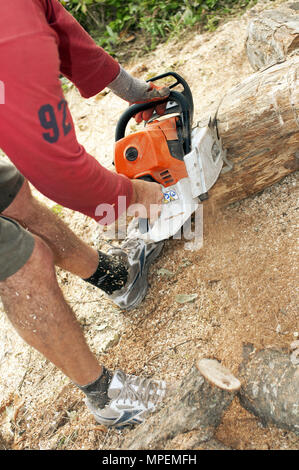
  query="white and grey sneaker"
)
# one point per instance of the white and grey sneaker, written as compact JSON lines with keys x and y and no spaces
{"x":138,"y":255}
{"x":132,"y":398}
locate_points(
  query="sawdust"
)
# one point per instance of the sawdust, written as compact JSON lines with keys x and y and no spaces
{"x":245,"y":279}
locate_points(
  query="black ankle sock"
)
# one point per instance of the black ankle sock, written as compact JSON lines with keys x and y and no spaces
{"x":111,"y":274}
{"x":97,"y":391}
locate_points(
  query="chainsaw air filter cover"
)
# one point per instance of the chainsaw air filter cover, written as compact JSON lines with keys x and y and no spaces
{"x":156,"y":152}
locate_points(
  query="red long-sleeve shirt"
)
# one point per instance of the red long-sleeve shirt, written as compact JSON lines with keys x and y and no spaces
{"x":39,"y":40}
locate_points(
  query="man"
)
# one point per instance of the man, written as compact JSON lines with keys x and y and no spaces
{"x":39,"y":41}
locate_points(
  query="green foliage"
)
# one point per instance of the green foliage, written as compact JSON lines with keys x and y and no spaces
{"x":112,"y":22}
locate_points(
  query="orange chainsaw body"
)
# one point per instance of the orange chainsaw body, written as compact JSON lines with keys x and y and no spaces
{"x":154,"y":153}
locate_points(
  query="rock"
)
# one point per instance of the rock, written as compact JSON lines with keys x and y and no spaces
{"x":270,"y":388}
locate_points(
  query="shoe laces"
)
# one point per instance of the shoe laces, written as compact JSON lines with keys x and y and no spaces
{"x":137,"y":389}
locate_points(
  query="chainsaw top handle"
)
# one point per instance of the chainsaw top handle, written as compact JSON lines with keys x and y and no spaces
{"x":174,"y":96}
{"x":178,"y":81}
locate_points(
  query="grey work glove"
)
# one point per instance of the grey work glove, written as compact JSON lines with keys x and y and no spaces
{"x":137,"y":91}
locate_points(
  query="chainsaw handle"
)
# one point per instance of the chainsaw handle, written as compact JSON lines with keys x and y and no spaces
{"x":175,"y":96}
{"x":179,"y":81}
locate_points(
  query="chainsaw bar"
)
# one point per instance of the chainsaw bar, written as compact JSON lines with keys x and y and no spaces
{"x":204,"y":162}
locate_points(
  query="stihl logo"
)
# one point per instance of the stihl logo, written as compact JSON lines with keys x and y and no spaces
{"x":2,"y":93}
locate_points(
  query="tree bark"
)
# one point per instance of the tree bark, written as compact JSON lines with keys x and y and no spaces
{"x":258,"y":121}
{"x":197,"y":404}
{"x":273,"y":36}
{"x":270,"y":388}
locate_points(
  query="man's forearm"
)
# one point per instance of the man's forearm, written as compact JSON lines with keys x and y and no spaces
{"x":36,"y":127}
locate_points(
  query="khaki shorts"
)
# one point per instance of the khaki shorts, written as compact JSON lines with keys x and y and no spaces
{"x":16,"y":244}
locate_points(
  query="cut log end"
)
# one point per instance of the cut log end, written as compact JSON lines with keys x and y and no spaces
{"x":270,"y":388}
{"x":218,"y":375}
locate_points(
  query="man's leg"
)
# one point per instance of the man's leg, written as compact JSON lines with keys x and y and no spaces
{"x":35,"y":306}
{"x":28,"y":285}
{"x":69,"y":251}
{"x":123,"y":277}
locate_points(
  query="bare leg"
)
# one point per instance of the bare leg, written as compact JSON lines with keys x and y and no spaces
{"x":70,"y":252}
{"x":36,"y":307}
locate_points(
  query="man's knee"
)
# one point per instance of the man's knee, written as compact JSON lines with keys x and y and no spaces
{"x":41,"y":260}
{"x":21,"y":206}
{"x":37,"y":266}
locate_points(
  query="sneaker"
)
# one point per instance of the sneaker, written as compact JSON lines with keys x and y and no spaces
{"x":138,"y":256}
{"x":132,"y":398}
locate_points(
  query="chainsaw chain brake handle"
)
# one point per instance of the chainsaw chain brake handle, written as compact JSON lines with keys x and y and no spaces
{"x":179,"y":102}
{"x":186,"y":93}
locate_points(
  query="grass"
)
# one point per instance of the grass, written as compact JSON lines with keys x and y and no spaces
{"x":127,"y":29}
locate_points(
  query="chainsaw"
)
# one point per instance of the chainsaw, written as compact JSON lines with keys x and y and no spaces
{"x":185,"y":161}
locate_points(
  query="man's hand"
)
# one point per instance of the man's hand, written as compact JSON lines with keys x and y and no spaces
{"x":154,"y":93}
{"x":146,"y":200}
{"x":134,"y":91}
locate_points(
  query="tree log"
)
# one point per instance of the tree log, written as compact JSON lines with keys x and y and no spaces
{"x":270,"y":388}
{"x":258,"y":121}
{"x":197,"y":404}
{"x":273,"y":35}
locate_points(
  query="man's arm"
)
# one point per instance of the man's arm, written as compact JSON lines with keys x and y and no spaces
{"x":37,"y":131}
{"x":89,"y":67}
{"x":36,"y":127}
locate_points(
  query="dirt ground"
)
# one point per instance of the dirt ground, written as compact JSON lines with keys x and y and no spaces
{"x":245,"y":277}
